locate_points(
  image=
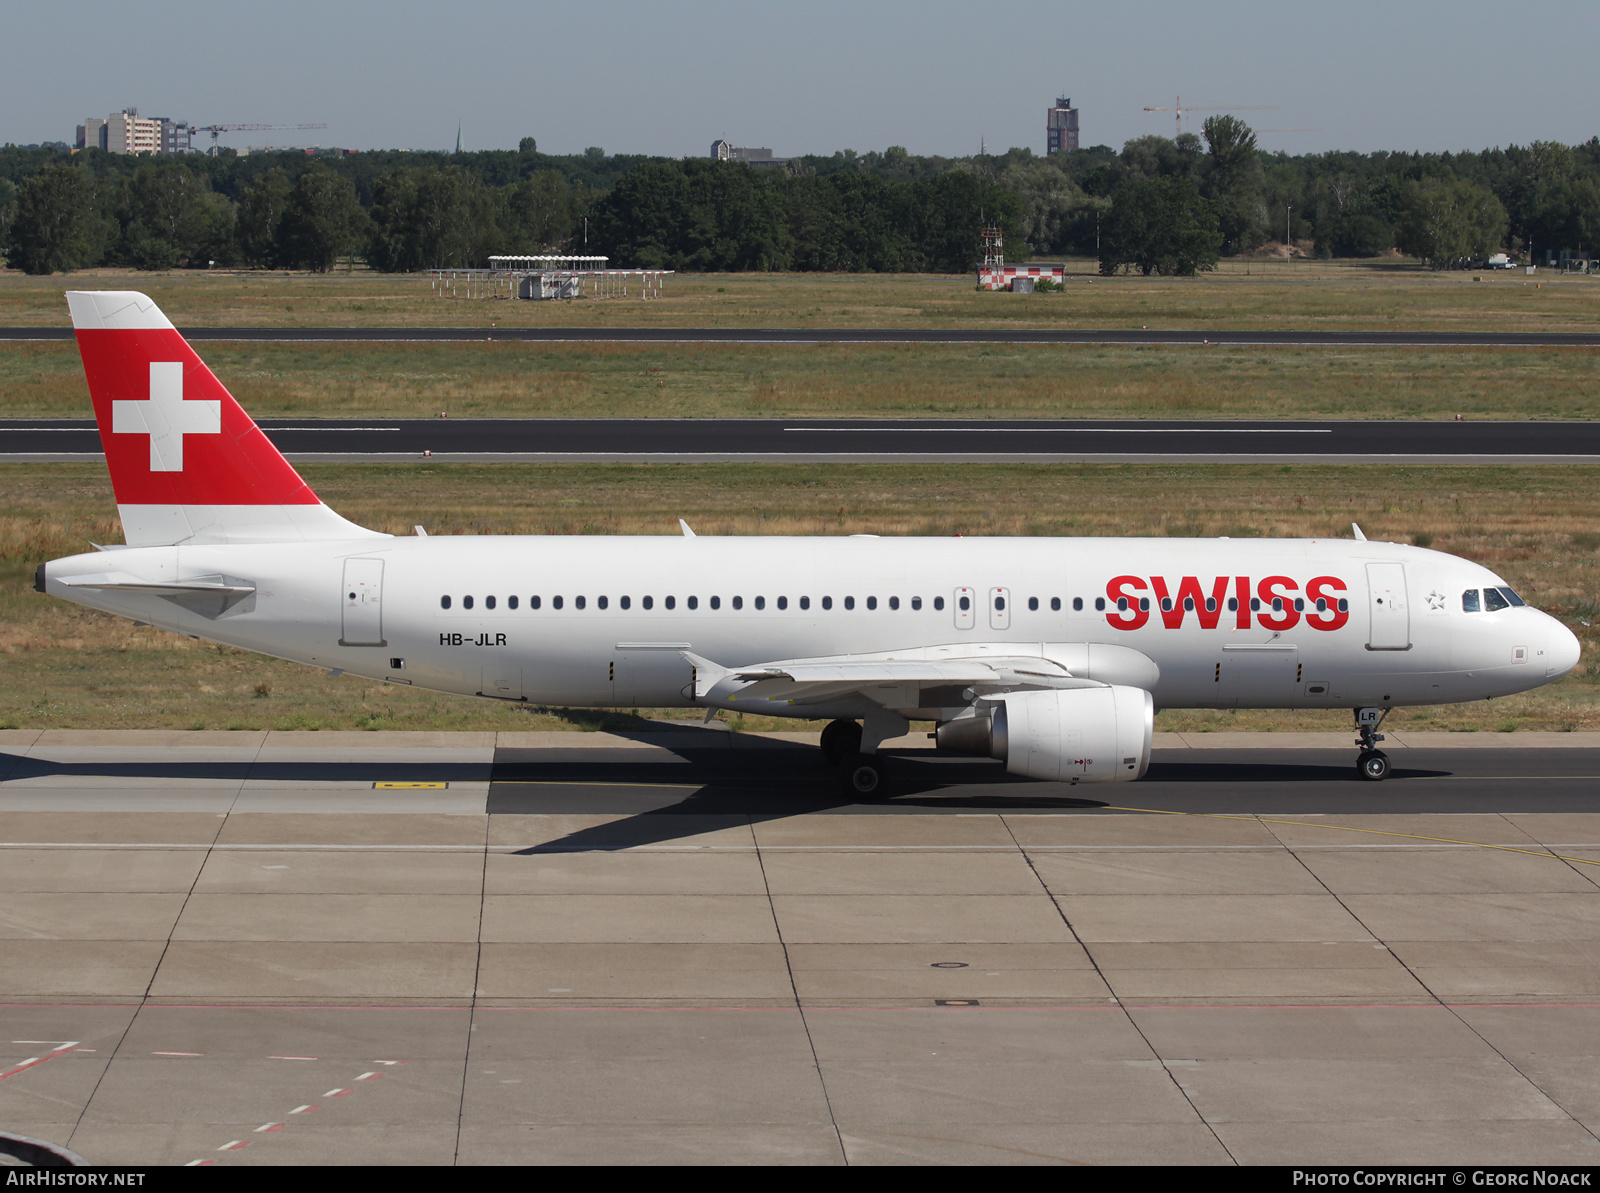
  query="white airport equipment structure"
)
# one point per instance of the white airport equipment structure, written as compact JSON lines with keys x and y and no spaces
{"x":547,"y":275}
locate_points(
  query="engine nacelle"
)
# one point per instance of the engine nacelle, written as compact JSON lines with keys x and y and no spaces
{"x":1081,"y":735}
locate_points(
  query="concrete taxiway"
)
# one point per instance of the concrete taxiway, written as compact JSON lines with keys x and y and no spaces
{"x":701,"y":440}
{"x":285,"y":948}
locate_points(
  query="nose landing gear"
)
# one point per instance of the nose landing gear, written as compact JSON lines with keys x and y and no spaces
{"x":1373,"y":763}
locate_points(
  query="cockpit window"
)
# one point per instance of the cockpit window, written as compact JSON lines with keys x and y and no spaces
{"x":1512,"y":597}
{"x":1493,"y":601}
{"x":1469,"y":601}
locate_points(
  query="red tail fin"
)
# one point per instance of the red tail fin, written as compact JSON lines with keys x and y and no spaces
{"x":187,"y":463}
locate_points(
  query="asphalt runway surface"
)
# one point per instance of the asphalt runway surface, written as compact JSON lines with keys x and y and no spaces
{"x":791,"y":335}
{"x":873,"y":440}
{"x":259,"y":948}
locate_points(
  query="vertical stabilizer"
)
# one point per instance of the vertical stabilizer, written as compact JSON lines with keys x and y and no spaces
{"x":187,"y":464}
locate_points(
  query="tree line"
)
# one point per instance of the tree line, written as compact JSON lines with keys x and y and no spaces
{"x":1157,"y":206}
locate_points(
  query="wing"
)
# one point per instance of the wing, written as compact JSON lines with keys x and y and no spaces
{"x":893,"y":681}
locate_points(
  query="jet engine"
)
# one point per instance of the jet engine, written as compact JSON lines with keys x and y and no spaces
{"x":1079,"y":735}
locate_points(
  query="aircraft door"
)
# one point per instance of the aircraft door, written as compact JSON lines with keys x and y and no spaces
{"x":999,"y":608}
{"x":966,"y":614}
{"x":1386,"y":601}
{"x":363,"y":603}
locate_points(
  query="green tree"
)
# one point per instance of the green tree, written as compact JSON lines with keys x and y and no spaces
{"x":261,"y":209}
{"x":1055,"y":210}
{"x":323,"y":221}
{"x":1232,"y":179}
{"x":56,"y":223}
{"x":535,"y":213}
{"x":1449,"y":222}
{"x":171,"y":217}
{"x":432,"y":219}
{"x":1160,"y":225}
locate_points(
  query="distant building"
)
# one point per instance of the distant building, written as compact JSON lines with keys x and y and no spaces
{"x":723,"y":151}
{"x":1060,"y":128}
{"x":128,"y":132}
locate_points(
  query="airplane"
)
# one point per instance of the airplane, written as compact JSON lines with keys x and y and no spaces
{"x":1050,"y":655}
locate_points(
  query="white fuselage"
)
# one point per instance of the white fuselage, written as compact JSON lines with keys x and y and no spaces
{"x":614,"y":615}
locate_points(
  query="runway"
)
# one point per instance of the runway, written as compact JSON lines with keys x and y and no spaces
{"x":876,"y":440}
{"x":251,"y":947}
{"x":883,"y":335}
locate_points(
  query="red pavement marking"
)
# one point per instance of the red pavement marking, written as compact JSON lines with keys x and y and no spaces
{"x":35,"y":1061}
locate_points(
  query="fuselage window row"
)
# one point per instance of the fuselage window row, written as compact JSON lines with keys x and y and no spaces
{"x":1469,"y":602}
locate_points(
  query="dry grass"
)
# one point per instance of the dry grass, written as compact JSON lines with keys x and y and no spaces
{"x":793,"y":381}
{"x":1378,"y":295}
{"x":69,"y":667}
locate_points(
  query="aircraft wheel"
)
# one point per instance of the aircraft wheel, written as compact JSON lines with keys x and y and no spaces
{"x":1373,"y":765}
{"x":862,"y":775}
{"x":840,"y":739}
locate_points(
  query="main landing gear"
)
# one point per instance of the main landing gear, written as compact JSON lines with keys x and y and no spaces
{"x":859,"y":774}
{"x":1373,"y":764}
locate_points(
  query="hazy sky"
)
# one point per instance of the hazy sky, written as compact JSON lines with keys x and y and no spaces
{"x":806,"y":77}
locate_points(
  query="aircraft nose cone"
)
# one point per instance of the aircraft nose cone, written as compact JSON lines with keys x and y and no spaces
{"x":1563,"y":650}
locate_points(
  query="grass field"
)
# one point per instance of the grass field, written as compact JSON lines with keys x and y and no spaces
{"x":69,"y":667}
{"x":791,"y":381}
{"x":1381,"y":295}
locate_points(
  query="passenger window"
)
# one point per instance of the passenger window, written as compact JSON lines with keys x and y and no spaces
{"x":1344,"y":605}
{"x":1255,"y":604}
{"x":1144,"y":604}
{"x":1322,"y":605}
{"x":466,"y":602}
{"x":1299,"y":604}
{"x":1277,"y":604}
{"x":761,"y":602}
{"x":511,"y":602}
{"x":601,"y":601}
{"x":849,"y":602}
{"x":1233,"y":604}
{"x":1100,"y":604}
{"x":533,"y":602}
{"x":1493,"y":601}
{"x":580,"y":602}
{"x":966,"y":603}
{"x":694,"y":602}
{"x":1077,"y":605}
{"x":672,"y":602}
{"x":805,"y":602}
{"x":625,"y":602}
{"x":1033,"y":604}
{"x":716,"y":602}
{"x":872,"y":602}
{"x":827,"y":602}
{"x":894,"y":602}
{"x":555,"y":602}
{"x":916,"y":603}
{"x":444,"y":602}
{"x":738,"y":602}
{"x":1055,"y":604}
{"x":999,"y":604}
{"x":488,"y":602}
{"x":1211,"y":604}
{"x":783,"y":602}
{"x":649,"y":602}
{"x":938,"y":603}
{"x":1166,"y":604}
{"x":1122,"y":604}
{"x":1188,"y":604}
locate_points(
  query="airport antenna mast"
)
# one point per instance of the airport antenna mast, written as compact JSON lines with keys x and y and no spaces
{"x":216,"y":129}
{"x":1179,"y":108}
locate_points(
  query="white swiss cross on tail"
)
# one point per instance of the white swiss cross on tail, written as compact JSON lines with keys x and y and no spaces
{"x":166,"y":417}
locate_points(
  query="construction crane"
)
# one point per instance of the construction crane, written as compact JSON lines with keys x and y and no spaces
{"x":1179,"y":107}
{"x":217,"y":129}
